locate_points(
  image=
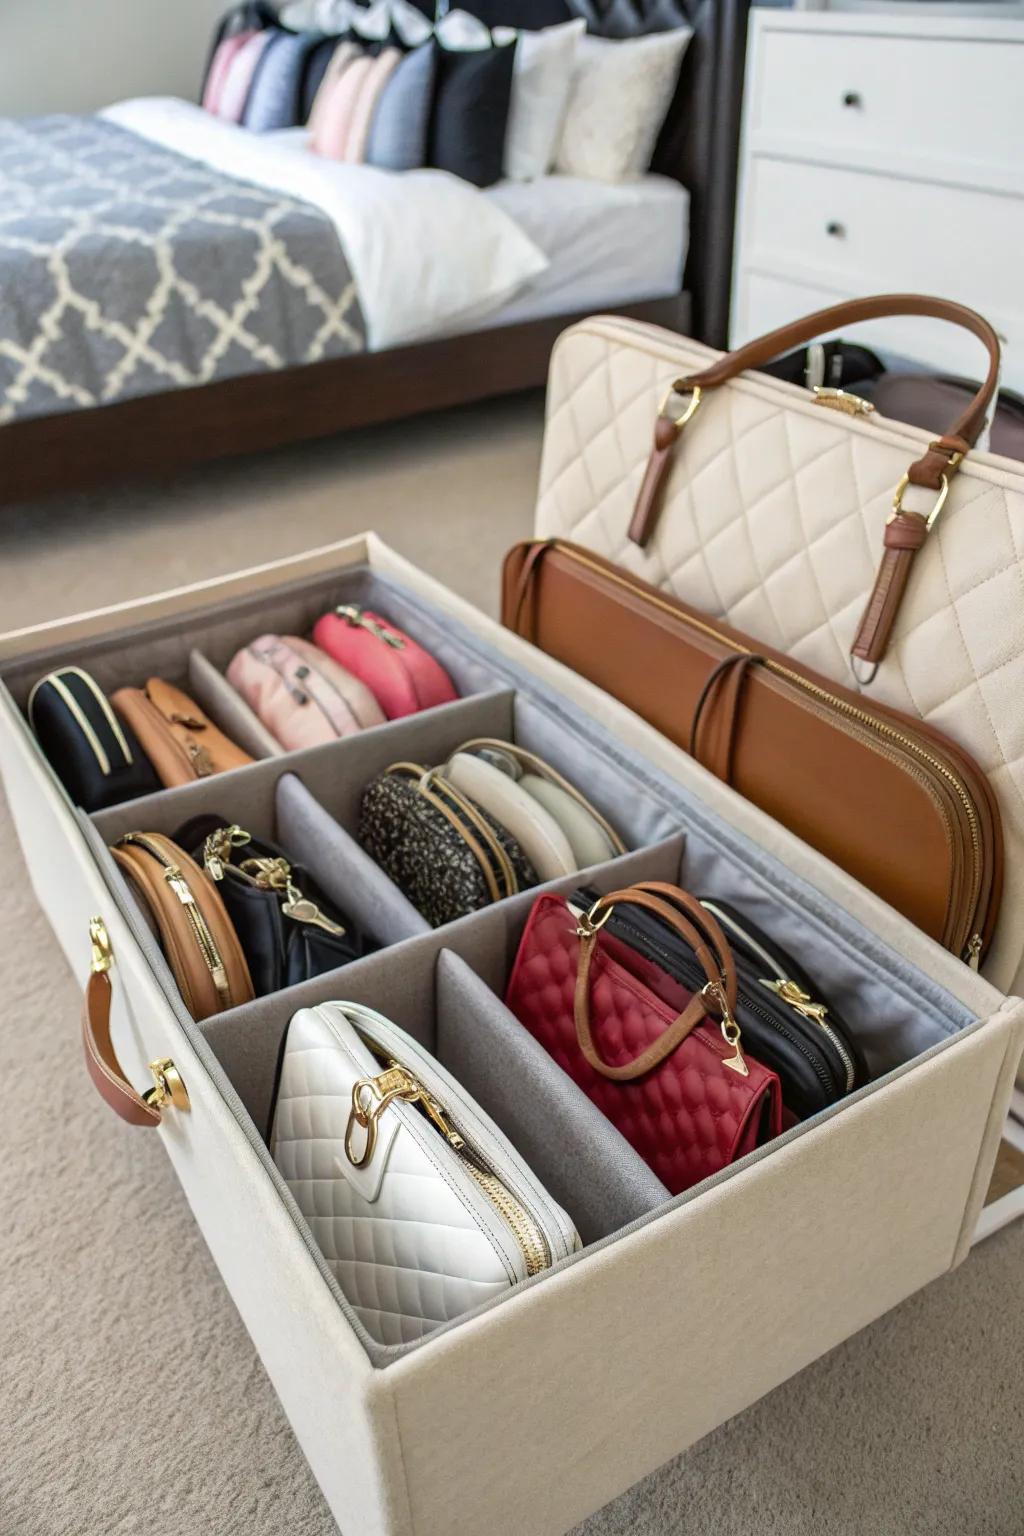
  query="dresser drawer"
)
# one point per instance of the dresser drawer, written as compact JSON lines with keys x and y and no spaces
{"x":861,"y":233}
{"x":951,"y":101}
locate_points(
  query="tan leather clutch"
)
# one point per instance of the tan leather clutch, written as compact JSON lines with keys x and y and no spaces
{"x":181,"y":742}
{"x":195,"y":932}
{"x":897,"y":804}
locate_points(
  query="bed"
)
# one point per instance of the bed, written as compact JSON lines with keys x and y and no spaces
{"x":378,"y":340}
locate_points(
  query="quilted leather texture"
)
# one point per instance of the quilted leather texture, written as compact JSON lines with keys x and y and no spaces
{"x":416,"y":1254}
{"x":772,"y":520}
{"x":689,"y":1117}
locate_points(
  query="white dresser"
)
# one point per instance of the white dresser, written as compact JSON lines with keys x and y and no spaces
{"x":884,"y":153}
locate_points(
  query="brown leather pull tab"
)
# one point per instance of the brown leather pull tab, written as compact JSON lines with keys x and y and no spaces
{"x":101,"y":1058}
{"x":648,"y":500}
{"x":904,"y":535}
{"x":715,"y":960}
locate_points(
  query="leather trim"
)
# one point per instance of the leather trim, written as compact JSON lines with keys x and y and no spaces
{"x":101,"y":1058}
{"x":648,"y":500}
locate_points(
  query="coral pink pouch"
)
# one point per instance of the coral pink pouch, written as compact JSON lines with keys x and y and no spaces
{"x":301,"y":696}
{"x":403,"y":676}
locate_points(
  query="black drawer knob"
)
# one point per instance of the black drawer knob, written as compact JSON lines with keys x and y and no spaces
{"x":852,"y":99}
{"x":835,"y":229}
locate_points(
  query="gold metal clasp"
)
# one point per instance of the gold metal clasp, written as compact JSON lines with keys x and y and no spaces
{"x":678,"y":388}
{"x":842,"y":400}
{"x":371,"y":1097}
{"x":729,"y":1027}
{"x":799,"y":1000}
{"x":102,"y":951}
{"x":168,"y":1086}
{"x":587,"y":927}
{"x":940,"y":500}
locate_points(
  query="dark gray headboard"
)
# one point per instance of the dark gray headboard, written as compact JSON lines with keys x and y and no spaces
{"x":700,"y":141}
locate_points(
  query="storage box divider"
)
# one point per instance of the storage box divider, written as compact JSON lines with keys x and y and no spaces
{"x":228,"y":709}
{"x":398,"y":981}
{"x":576,"y":1152}
{"x":336,"y":773}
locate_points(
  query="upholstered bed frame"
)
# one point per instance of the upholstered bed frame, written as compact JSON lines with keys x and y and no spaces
{"x":164,"y":432}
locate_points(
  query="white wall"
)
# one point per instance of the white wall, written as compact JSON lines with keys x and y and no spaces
{"x":77,"y":55}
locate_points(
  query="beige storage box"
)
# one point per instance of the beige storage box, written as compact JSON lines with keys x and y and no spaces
{"x":523,"y":1417}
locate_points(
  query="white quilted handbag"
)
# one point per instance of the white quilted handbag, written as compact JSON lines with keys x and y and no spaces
{"x":419,"y":1204}
{"x":766,"y":508}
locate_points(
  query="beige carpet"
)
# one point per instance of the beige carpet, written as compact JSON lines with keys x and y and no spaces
{"x":130,"y":1397}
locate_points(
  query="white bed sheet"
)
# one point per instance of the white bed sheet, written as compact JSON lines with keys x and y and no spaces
{"x":604,"y":244}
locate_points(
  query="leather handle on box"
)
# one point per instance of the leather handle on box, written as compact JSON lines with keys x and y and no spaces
{"x":906,"y":530}
{"x":101,"y":1058}
{"x":715,"y":959}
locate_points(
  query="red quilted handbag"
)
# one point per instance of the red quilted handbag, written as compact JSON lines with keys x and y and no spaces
{"x":679,"y":1087}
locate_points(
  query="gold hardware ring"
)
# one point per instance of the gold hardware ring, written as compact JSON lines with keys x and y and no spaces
{"x":679,"y":422}
{"x":940,"y":500}
{"x":587,"y":928}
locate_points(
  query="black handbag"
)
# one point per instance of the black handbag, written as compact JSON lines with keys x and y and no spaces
{"x":784,"y":1020}
{"x":288,"y":929}
{"x":96,"y":755}
{"x":444,"y":852}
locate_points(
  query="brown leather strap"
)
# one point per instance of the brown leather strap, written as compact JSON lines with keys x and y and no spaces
{"x":903,"y":537}
{"x":713,"y":729}
{"x":648,"y":499}
{"x":513,"y":619}
{"x":101,"y":1058}
{"x":715,"y":960}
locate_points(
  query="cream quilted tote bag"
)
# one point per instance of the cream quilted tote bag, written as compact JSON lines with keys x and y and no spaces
{"x":815,"y":529}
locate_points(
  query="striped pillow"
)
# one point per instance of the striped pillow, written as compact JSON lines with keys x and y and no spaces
{"x":220,"y":64}
{"x":239,"y":76}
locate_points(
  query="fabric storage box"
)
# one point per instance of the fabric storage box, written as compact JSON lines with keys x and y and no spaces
{"x":677,"y":1314}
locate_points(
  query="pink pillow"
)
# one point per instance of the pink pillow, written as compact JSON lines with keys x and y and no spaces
{"x":219,"y":65}
{"x":370,"y":92}
{"x":344,"y":55}
{"x":238,"y":78}
{"x":334,"y":123}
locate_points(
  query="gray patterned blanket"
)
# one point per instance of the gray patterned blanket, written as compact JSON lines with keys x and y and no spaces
{"x":127,"y":269}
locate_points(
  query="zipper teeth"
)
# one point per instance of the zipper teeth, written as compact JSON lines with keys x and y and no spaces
{"x":526,"y":1231}
{"x":204,"y":938}
{"x":852,"y":710}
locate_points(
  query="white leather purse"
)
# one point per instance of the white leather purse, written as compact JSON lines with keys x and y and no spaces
{"x":418,"y":1202}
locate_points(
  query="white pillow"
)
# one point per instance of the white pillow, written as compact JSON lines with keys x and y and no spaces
{"x":541,"y":81}
{"x":621,"y":91}
{"x":411,"y":26}
{"x":462,"y":33}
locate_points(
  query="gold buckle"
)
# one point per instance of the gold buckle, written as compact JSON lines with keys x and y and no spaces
{"x":102,"y":951}
{"x":940,"y":500}
{"x":679,"y":422}
{"x":169,"y":1087}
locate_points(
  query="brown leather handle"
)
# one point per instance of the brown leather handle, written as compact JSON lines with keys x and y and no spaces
{"x":101,"y":1058}
{"x":715,"y":959}
{"x":929,"y":469}
{"x":905,"y":531}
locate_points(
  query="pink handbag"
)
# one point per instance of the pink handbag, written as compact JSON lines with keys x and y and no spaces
{"x":302,"y":697}
{"x":403,"y":676}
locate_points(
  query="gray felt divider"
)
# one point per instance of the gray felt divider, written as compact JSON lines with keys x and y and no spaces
{"x":228,"y":709}
{"x":399,"y":982}
{"x":577,"y":1153}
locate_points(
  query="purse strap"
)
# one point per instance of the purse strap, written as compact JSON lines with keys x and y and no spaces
{"x":713,"y":952}
{"x":905,"y":531}
{"x":544,"y":770}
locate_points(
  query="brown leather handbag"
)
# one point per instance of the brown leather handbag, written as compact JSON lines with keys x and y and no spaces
{"x":891,"y":800}
{"x":195,"y":931}
{"x":181,"y":742}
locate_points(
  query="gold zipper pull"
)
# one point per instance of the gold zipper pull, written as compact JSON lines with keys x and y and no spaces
{"x":218,"y":847}
{"x":201,"y":760}
{"x":179,"y":885}
{"x":800,"y":1001}
{"x":730,"y":1028}
{"x":973,"y":955}
{"x":301,"y":910}
{"x":354,"y":615}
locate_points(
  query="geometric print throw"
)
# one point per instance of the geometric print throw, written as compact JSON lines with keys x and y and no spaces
{"x":127,"y":269}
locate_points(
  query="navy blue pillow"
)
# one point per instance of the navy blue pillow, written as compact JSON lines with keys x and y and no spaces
{"x":275,"y":96}
{"x":471,"y":99}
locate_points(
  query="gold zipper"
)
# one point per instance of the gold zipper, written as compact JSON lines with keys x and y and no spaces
{"x":371,"y":1096}
{"x":802,"y":1003}
{"x":84,"y":725}
{"x":205,"y":941}
{"x":851,"y":710}
{"x":354,"y":615}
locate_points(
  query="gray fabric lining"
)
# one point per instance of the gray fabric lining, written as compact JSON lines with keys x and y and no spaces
{"x":223,"y":704}
{"x":340,"y":867}
{"x":577,"y":1153}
